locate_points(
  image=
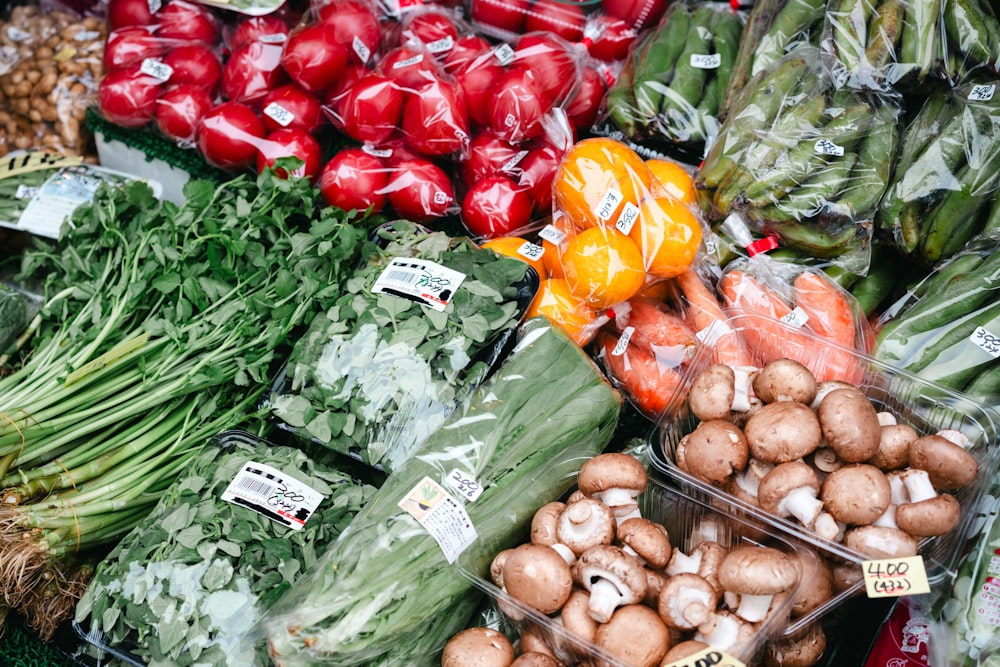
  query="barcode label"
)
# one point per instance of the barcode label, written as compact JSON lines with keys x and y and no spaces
{"x":271,"y":493}
{"x":258,"y":487}
{"x":419,"y":280}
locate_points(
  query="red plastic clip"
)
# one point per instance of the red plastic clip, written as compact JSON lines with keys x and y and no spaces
{"x":769,"y":242}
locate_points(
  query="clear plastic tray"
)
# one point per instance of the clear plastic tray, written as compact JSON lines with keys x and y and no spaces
{"x":926,"y":406}
{"x":685,"y":519}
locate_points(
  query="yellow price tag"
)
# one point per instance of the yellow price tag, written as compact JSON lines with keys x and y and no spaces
{"x":35,"y":161}
{"x":895,"y":577}
{"x":708,"y":657}
{"x":108,"y":358}
{"x":65,"y":53}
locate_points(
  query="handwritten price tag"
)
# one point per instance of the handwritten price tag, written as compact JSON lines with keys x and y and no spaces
{"x":552,"y":234}
{"x":894,"y":577}
{"x":530,"y":250}
{"x":986,"y":341}
{"x":157,"y":69}
{"x":706,"y":60}
{"x":797,"y":318}
{"x":709,"y":657}
{"x":608,"y":204}
{"x":628,"y":218}
{"x":983,"y":92}
{"x":279,"y":114}
{"x":464,"y":484}
{"x":827,"y":147}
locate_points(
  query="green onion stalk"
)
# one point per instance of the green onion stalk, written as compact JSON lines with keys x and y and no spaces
{"x":162,"y":325}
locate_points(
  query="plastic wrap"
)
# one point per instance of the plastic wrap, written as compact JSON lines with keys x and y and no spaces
{"x":414,"y":333}
{"x":803,"y":159}
{"x":506,"y":19}
{"x":188,"y":585}
{"x":519,"y":441}
{"x":673,"y":88}
{"x":942,"y":192}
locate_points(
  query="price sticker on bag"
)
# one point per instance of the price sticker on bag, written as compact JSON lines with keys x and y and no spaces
{"x":272,"y":493}
{"x":157,"y":69}
{"x":504,"y":53}
{"x":895,"y":577}
{"x":608,"y":204}
{"x":443,"y":45}
{"x":986,"y":341}
{"x":419,"y":280}
{"x":707,"y":657}
{"x":509,"y":165}
{"x":827,"y":147}
{"x":279,"y":114}
{"x":629,"y":216}
{"x":982,"y":92}
{"x":797,"y":318}
{"x":361,"y":50}
{"x":441,"y":515}
{"x":464,"y":484}
{"x":552,"y":234}
{"x":623,"y":341}
{"x":530,"y":251}
{"x":706,"y":60}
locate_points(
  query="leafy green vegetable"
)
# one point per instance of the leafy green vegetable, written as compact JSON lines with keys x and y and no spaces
{"x":377,"y":373}
{"x":523,"y":436}
{"x":187,"y":586}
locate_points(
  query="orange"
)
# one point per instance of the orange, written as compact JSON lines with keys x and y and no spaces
{"x":510,"y":246}
{"x":555,"y":301}
{"x":553,"y":251}
{"x":674,"y":178}
{"x":668,"y":234}
{"x":603,"y":266}
{"x":597,"y":179}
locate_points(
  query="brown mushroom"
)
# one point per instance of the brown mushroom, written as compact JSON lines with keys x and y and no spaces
{"x":635,"y":635}
{"x":878,"y":542}
{"x":646,"y":540}
{"x":824,"y":387}
{"x":655,"y":581}
{"x":613,"y":578}
{"x":856,"y":494}
{"x":713,"y":452}
{"x":949,"y":465}
{"x":850,"y":424}
{"x":478,"y":647}
{"x":687,"y":601}
{"x":537,"y":576}
{"x":785,"y":380}
{"x":726,"y":631}
{"x":782,"y":431}
{"x":790,"y":490}
{"x":815,"y":583}
{"x":544,"y":522}
{"x":704,"y":560}
{"x":804,"y":650}
{"x":825,"y":460}
{"x":533,"y":659}
{"x":616,"y":479}
{"x":681,"y":650}
{"x":584,"y":524}
{"x":575,"y":616}
{"x":894,"y":447}
{"x":712,"y":392}
{"x":846,"y":575}
{"x":925,"y":513}
{"x":756,"y":574}
{"x":535,"y":639}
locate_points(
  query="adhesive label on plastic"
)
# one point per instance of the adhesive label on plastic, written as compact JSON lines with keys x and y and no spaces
{"x":707,"y":657}
{"x":711,"y":334}
{"x":279,"y":114}
{"x":16,"y":34}
{"x":706,"y":60}
{"x":827,"y":147}
{"x":895,"y":577}
{"x":552,"y":234}
{"x":464,"y":484}
{"x":157,"y":69}
{"x":608,"y":204}
{"x":154,"y":6}
{"x":797,"y":318}
{"x":986,"y":341}
{"x":56,"y":199}
{"x":361,"y":49}
{"x":531,"y":251}
{"x":377,"y":152}
{"x":86,"y":36}
{"x":623,"y":341}
{"x":274,"y":38}
{"x":514,"y":161}
{"x":983,"y":92}
{"x":272,"y":493}
{"x":443,"y":45}
{"x":441,"y":515}
{"x":419,"y":280}
{"x":415,"y":60}
{"x":504,"y":53}
{"x":25,"y":191}
{"x":629,"y":216}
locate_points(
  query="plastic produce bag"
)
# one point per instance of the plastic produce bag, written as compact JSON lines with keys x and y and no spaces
{"x":413,"y":334}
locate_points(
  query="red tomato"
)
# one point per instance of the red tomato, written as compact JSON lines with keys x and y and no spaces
{"x":517,"y":108}
{"x":637,"y":13}
{"x":187,"y":21}
{"x":536,"y":170}
{"x":179,"y":110}
{"x":266,"y":28}
{"x":478,"y":80}
{"x":313,"y":57}
{"x":584,"y":105}
{"x":127,"y":97}
{"x":194,"y":63}
{"x":128,"y":46}
{"x":466,"y":49}
{"x":435,"y":29}
{"x":229,"y":135}
{"x":122,"y":13}
{"x":435,"y":120}
{"x":488,"y":155}
{"x":252,"y":72}
{"x":507,"y":15}
{"x":419,"y":190}
{"x":495,"y":206}
{"x":290,"y":106}
{"x":565,"y":19}
{"x":356,"y":28}
{"x":371,"y":109}
{"x":550,"y":59}
{"x":354,"y":179}
{"x":352,"y":74}
{"x":410,"y":67}
{"x":608,"y":38}
{"x":290,"y":141}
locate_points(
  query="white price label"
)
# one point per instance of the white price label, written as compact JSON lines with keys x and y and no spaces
{"x":419,"y":280}
{"x":797,"y":318}
{"x":377,"y":152}
{"x":509,"y":165}
{"x":711,"y":334}
{"x":530,"y":250}
{"x":552,"y":234}
{"x":415,"y":60}
{"x":87,"y":36}
{"x":279,"y":114}
{"x":608,"y":204}
{"x":464,"y":484}
{"x":154,"y":6}
{"x":361,"y":49}
{"x":25,"y":191}
{"x":986,"y":341}
{"x":157,"y":69}
{"x":706,"y":60}
{"x":629,"y":216}
{"x":272,"y":493}
{"x":827,"y":147}
{"x":440,"y":515}
{"x":504,"y":53}
{"x":274,"y":38}
{"x":442,"y":45}
{"x":16,"y":34}
{"x":983,"y":92}
{"x":623,"y":341}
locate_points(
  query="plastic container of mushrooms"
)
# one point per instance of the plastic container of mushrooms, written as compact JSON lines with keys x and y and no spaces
{"x":896,"y":469}
{"x":707,"y":581}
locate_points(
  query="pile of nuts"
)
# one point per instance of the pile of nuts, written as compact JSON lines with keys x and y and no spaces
{"x":50,"y":65}
{"x":821,"y":454}
{"x":608,"y":577}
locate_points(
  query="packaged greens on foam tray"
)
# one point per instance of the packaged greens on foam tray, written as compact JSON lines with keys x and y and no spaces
{"x":187,"y":586}
{"x":384,"y":591}
{"x":380,"y":371}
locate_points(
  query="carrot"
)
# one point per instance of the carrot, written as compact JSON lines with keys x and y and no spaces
{"x":661,"y":333}
{"x":743,"y":291}
{"x":705,"y":311}
{"x":647,"y":383}
{"x":829,"y":311}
